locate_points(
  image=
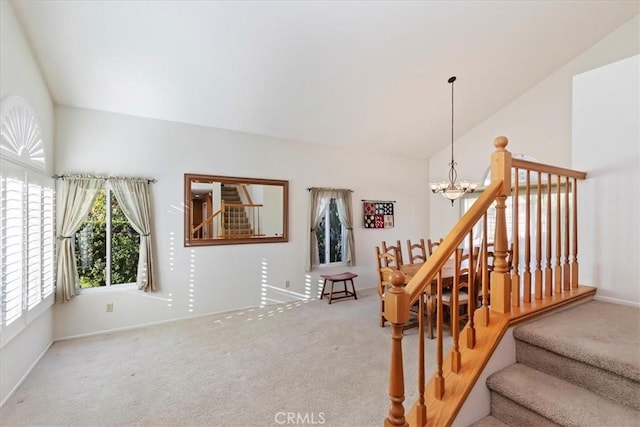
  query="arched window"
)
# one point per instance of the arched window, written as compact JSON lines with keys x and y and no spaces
{"x":27,"y":231}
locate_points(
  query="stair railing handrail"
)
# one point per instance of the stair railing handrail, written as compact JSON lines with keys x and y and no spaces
{"x":399,"y":298}
{"x":545,"y":168}
{"x":427,"y":273}
{"x":208,"y":219}
{"x":245,"y":190}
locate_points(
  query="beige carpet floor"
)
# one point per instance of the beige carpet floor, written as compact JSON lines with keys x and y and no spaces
{"x":320,"y":364}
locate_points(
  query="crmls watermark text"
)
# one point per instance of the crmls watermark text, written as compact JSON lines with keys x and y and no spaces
{"x":300,"y":418}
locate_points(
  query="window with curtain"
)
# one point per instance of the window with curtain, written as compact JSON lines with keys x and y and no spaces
{"x":330,"y":234}
{"x":331,"y":239}
{"x":106,"y":246}
{"x":27,"y":219}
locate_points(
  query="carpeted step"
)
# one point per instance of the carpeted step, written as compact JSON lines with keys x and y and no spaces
{"x":522,"y":396}
{"x":489,"y":421}
{"x":604,"y":383}
{"x":594,"y":345}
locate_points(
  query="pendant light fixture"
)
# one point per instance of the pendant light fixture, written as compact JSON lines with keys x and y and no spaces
{"x":453,"y":189}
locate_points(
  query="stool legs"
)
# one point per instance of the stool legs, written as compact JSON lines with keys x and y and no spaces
{"x":345,"y":293}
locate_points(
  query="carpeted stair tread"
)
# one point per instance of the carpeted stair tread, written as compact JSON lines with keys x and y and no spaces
{"x":596,"y":333}
{"x":607,"y":384}
{"x":489,"y":421}
{"x":557,"y":400}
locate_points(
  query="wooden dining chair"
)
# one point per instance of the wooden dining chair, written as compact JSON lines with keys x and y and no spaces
{"x":461,"y":280}
{"x":417,"y":252}
{"x":387,"y":263}
{"x":396,"y":251}
{"x":490,"y":260}
{"x":433,"y":245}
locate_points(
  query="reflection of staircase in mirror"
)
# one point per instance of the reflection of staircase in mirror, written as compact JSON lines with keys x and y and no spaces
{"x":236,"y":222}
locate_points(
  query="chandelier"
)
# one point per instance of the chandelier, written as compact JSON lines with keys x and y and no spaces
{"x":453,"y":189}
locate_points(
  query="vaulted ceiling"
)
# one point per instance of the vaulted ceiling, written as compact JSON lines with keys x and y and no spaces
{"x":371,"y":75}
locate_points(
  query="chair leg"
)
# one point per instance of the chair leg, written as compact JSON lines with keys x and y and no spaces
{"x":382,"y":318}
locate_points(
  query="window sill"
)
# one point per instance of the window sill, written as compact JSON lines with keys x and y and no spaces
{"x":112,"y":288}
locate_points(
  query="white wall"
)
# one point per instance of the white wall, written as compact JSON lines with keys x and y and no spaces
{"x":538,"y":123}
{"x":221,"y":278}
{"x":21,"y":76}
{"x":606,"y":142}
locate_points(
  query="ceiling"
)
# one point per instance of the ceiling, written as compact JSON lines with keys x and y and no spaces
{"x":371,"y":75}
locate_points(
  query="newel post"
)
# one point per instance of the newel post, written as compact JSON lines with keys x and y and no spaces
{"x":500,"y":276}
{"x":396,"y":310}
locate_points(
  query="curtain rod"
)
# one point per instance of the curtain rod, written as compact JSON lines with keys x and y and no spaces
{"x":81,"y":176}
{"x":329,"y":189}
{"x":379,"y":201}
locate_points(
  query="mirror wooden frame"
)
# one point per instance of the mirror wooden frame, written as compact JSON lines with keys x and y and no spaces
{"x":206,"y":229}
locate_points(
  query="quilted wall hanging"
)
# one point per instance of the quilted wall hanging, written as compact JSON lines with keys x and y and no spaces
{"x":378,"y":213}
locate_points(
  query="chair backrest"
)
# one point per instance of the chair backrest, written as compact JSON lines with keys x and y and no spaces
{"x":386,"y":263}
{"x":432,"y":245}
{"x":395,"y":251}
{"x":417,"y":251}
{"x":463,"y":265}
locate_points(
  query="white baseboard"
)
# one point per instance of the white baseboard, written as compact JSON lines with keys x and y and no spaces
{"x":617,"y":301}
{"x":33,"y":365}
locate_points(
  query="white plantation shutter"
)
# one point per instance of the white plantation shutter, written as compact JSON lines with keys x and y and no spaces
{"x":12,"y":237}
{"x":27,"y":221}
{"x":48,"y":240}
{"x":34,"y":245}
{"x":27,"y":237}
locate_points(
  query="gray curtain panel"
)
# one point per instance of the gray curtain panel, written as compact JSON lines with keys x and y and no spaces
{"x":79,"y":195}
{"x":133,"y":197}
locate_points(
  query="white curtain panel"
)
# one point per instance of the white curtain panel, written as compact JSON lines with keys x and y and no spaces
{"x":133,"y":197}
{"x":319,"y":202}
{"x":79,"y":196}
{"x":345,"y":211}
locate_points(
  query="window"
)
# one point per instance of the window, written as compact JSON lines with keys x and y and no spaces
{"x":27,"y":227}
{"x":329,"y":234}
{"x":27,"y":237}
{"x":107,"y":247}
{"x":331,"y":219}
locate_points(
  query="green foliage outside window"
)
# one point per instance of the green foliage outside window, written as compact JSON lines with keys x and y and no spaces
{"x":91,"y":247}
{"x":335,"y":235}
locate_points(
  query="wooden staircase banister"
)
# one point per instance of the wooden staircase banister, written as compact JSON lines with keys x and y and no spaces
{"x":435,"y":262}
{"x":501,"y":304}
{"x":544,"y":168}
{"x":209,"y":218}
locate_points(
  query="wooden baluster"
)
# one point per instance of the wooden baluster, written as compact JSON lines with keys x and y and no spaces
{"x":473,"y":295}
{"x":396,"y":303}
{"x":548,"y":290}
{"x":574,"y":264}
{"x":515,"y":256}
{"x":527,"y":240}
{"x":421,"y":409}
{"x":483,"y":313}
{"x":557,"y":269}
{"x":538,"y":274}
{"x":439,"y":378}
{"x":566,"y":267}
{"x":500,"y":276}
{"x":455,"y":324}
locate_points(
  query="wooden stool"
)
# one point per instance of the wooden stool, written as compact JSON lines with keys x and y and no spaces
{"x":342,"y":277}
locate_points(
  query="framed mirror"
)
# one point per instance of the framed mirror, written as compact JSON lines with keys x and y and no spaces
{"x":223,"y":210}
